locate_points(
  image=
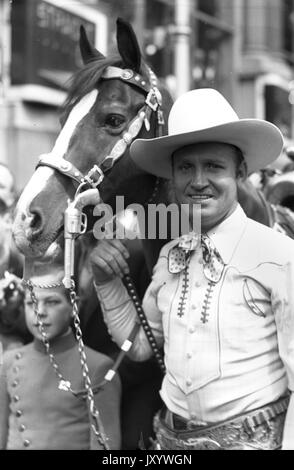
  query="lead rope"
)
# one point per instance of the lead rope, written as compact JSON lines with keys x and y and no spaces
{"x":97,"y":425}
{"x":128,"y":282}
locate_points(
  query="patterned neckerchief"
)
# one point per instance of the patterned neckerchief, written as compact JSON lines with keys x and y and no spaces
{"x":213,"y":266}
{"x":179,"y":256}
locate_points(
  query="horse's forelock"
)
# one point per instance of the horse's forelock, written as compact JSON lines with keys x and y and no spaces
{"x":87,"y":78}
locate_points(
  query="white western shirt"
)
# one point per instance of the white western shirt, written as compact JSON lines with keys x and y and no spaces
{"x":242,"y":357}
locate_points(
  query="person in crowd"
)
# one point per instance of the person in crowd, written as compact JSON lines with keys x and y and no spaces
{"x":13,"y":330}
{"x":221,"y":296}
{"x":10,"y":259}
{"x":43,"y":397}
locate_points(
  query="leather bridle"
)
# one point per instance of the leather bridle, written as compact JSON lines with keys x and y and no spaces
{"x":152,"y":104}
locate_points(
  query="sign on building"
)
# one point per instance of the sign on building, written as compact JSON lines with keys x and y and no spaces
{"x":45,"y":36}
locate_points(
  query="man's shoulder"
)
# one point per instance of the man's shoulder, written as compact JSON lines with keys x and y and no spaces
{"x":268,"y":240}
{"x":268,"y":233}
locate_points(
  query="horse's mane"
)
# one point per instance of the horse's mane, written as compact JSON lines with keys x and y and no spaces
{"x":86,"y":78}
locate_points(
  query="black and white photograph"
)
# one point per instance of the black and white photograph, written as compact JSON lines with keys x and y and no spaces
{"x":146,"y":228}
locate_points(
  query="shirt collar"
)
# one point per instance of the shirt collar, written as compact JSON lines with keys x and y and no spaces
{"x":227,"y":235}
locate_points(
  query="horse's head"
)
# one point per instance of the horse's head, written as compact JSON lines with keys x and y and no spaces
{"x":111,"y":102}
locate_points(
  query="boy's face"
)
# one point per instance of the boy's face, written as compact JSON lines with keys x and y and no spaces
{"x":53,"y":306}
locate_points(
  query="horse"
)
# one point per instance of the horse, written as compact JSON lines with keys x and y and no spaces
{"x":111,"y":102}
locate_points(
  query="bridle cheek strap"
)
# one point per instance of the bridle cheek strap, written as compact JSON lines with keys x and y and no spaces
{"x":121,"y":145}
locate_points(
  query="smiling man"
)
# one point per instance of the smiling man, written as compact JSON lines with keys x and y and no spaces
{"x":220,"y":301}
{"x":205,"y":175}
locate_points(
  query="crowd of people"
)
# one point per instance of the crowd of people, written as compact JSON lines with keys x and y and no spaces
{"x":219,"y":304}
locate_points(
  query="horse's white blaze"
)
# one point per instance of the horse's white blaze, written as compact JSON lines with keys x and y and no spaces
{"x":76,"y":115}
{"x":33,"y":188}
{"x":41,"y":176}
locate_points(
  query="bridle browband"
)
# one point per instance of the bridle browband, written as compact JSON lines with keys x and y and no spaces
{"x":152,"y":104}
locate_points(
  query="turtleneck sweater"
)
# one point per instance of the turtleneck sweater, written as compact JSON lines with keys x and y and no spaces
{"x":36,"y":414}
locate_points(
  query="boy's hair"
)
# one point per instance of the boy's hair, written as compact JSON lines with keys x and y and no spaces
{"x":41,"y":268}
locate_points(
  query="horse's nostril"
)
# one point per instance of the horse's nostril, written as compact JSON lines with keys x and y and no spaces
{"x":36,"y":221}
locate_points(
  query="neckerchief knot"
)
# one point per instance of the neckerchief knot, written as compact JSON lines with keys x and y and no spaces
{"x":179,"y":256}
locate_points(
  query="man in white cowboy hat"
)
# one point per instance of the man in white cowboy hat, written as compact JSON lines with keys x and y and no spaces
{"x":220,"y":302}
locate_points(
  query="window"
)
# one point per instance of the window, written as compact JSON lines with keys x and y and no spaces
{"x":278,"y":108}
{"x":288,"y":29}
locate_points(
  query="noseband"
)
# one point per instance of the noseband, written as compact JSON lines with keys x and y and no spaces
{"x":152,"y":104}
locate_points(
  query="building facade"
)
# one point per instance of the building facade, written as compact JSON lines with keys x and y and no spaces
{"x":243,"y":48}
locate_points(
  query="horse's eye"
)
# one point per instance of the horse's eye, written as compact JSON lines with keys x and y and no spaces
{"x":114,"y":121}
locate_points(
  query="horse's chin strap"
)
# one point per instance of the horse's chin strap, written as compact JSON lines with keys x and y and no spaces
{"x":152,"y":103}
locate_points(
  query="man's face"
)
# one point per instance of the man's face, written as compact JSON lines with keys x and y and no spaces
{"x":53,"y":306}
{"x":205,"y":177}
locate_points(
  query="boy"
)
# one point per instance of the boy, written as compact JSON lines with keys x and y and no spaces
{"x":34,"y":412}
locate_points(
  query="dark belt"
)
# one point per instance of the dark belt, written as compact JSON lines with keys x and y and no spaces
{"x":261,"y":428}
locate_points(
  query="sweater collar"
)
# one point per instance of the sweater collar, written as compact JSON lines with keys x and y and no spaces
{"x":57,"y":345}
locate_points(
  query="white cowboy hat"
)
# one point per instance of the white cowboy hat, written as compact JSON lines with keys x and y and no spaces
{"x":204,"y":115}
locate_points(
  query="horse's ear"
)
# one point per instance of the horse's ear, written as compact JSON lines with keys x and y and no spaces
{"x":127,"y":45}
{"x":88,"y":52}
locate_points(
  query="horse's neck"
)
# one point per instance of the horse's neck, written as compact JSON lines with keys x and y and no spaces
{"x":153,"y":246}
{"x":254,"y":205}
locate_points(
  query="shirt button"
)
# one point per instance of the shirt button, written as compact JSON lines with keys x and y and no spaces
{"x":191,"y":329}
{"x":18,"y":355}
{"x":197,"y":284}
{"x":200,"y":261}
{"x":189,"y":355}
{"x":22,"y":428}
{"x":26,"y":443}
{"x":15,"y":369}
{"x":15,"y":383}
{"x":18,"y":413}
{"x":189,"y":382}
{"x":194,"y":307}
{"x":16,"y":398}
